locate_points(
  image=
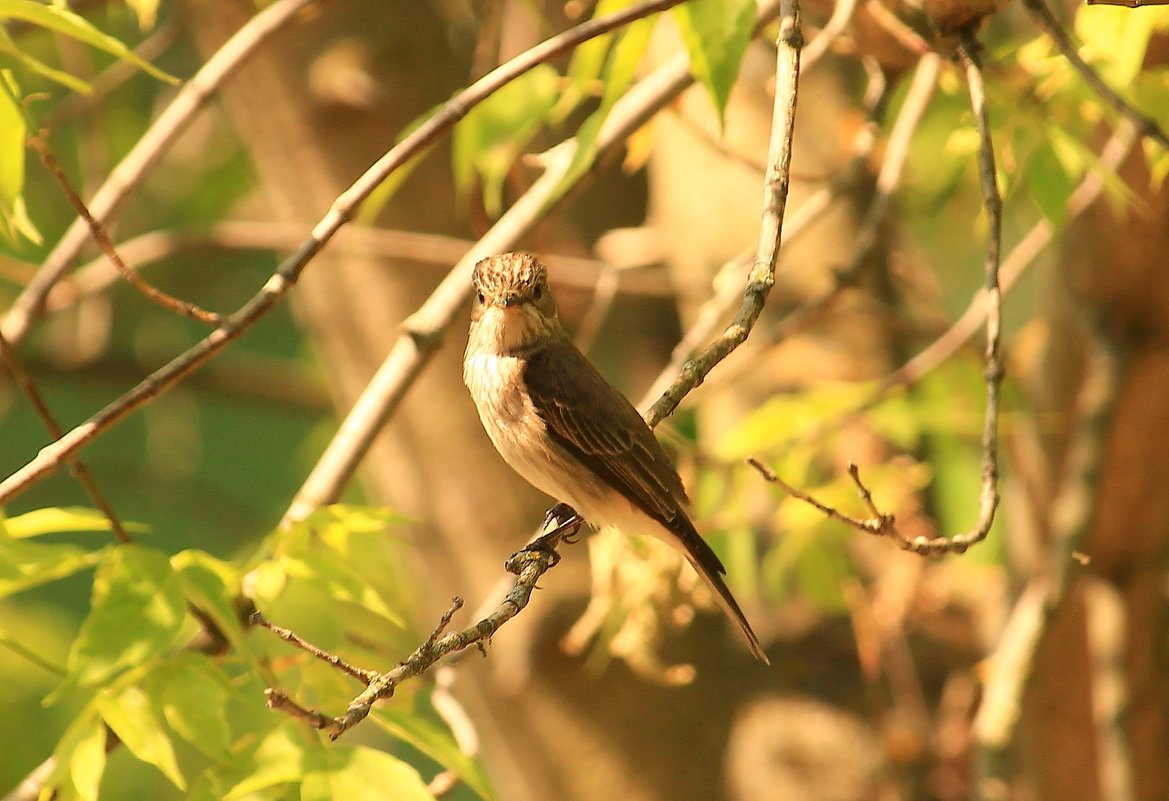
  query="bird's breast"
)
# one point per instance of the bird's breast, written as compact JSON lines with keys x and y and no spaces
{"x":517,"y":430}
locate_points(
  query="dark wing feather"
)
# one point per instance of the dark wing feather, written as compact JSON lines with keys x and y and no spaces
{"x":594,"y":423}
{"x":590,"y":419}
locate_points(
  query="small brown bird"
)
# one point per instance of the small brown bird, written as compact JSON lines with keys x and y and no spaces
{"x":565,"y":429}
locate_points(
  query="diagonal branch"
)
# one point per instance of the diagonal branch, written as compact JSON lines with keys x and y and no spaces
{"x":342,"y":210}
{"x":424,"y":329}
{"x":528,"y":565}
{"x":133,"y":277}
{"x":128,"y":174}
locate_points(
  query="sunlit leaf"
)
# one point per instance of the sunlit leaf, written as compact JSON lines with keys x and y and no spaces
{"x":29,"y":564}
{"x":434,"y":741}
{"x":279,"y":759}
{"x":192,"y":694}
{"x":62,"y":519}
{"x":129,"y":715}
{"x":14,"y":219}
{"x":58,"y":18}
{"x":136,"y":613}
{"x":87,"y":763}
{"x":212,"y":586}
{"x":716,"y":33}
{"x":494,"y":133}
{"x":336,"y":772}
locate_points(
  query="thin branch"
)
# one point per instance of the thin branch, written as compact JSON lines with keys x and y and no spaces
{"x":97,"y":276}
{"x":424,"y":329}
{"x":528,"y":565}
{"x":168,"y":302}
{"x":989,"y":494}
{"x":128,"y":174}
{"x":291,"y":637}
{"x":761,"y":276}
{"x":50,"y":457}
{"x":993,"y":367}
{"x":879,"y":524}
{"x":78,"y":468}
{"x":1146,"y":126}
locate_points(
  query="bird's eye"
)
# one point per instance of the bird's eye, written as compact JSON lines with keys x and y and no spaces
{"x":538,"y":291}
{"x":481,"y":298}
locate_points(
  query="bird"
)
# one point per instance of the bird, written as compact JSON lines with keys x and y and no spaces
{"x":566,"y":430}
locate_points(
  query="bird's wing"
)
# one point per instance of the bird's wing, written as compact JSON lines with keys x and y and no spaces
{"x":594,"y":423}
{"x":591,"y":420}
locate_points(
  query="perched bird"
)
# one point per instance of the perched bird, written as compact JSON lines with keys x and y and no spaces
{"x":565,"y":429}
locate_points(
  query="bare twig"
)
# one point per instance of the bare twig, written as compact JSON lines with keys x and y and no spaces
{"x":98,"y":233}
{"x":989,"y":495}
{"x":341,"y":212}
{"x":289,"y":636}
{"x":879,"y":524}
{"x":993,"y":367}
{"x":1146,"y":126}
{"x":424,"y":329}
{"x":24,"y":381}
{"x":761,"y":277}
{"x":128,"y":174}
{"x":528,"y":565}
{"x":725,"y":284}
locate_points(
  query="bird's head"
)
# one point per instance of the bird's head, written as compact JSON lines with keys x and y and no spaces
{"x":512,"y":308}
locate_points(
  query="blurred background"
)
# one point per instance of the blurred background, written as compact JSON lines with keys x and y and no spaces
{"x":1031,"y":667}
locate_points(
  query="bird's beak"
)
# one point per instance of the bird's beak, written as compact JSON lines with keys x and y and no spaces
{"x":511,"y":300}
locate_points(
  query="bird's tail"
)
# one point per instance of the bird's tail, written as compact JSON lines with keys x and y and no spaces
{"x":727,"y":602}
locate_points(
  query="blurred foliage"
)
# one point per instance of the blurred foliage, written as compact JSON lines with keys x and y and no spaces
{"x":101,"y":631}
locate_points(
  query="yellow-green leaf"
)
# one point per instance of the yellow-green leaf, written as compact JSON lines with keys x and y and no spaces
{"x":716,"y":34}
{"x":59,"y":19}
{"x":436,"y":743}
{"x":129,"y":715}
{"x":193,"y":694}
{"x":87,"y":763}
{"x":62,"y":519}
{"x":339,"y":773}
{"x":136,"y":613}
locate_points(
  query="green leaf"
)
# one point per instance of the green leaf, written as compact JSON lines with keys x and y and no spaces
{"x":136,"y":613}
{"x":87,"y":763}
{"x":63,"y":519}
{"x":340,"y":773}
{"x":436,"y":742}
{"x":14,"y":219}
{"x":1048,"y":183}
{"x":624,"y":59}
{"x":9,"y":47}
{"x":61,"y":20}
{"x":193,"y":694}
{"x":212,"y":586}
{"x":716,"y":34}
{"x":129,"y":715}
{"x":494,"y":133}
{"x":279,"y":759}
{"x":340,"y":581}
{"x":24,"y":565}
{"x":74,"y":770}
